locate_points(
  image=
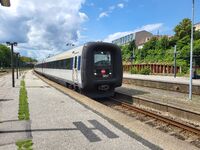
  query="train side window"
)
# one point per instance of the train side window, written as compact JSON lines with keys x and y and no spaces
{"x":68,"y":63}
{"x":60,"y":64}
{"x":64,"y":64}
{"x":79,"y":62}
{"x":75,"y":62}
{"x":71,"y":63}
{"x":54,"y":64}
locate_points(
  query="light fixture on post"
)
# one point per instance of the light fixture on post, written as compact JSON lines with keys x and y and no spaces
{"x":70,"y":44}
{"x":12,"y":44}
{"x":5,"y":3}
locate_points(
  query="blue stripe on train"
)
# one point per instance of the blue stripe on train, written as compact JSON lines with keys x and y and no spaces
{"x":79,"y":62}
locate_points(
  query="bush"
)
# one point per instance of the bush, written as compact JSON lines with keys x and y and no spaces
{"x":145,"y":71}
{"x":185,"y":69}
{"x":134,"y":70}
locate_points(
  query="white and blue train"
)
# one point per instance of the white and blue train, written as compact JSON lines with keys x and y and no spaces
{"x":95,"y":68}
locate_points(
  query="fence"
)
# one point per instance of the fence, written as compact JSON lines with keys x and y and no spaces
{"x":155,"y":68}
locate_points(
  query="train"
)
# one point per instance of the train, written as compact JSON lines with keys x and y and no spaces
{"x":94,"y":68}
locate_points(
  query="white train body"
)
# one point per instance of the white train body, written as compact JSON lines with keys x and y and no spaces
{"x":95,"y":68}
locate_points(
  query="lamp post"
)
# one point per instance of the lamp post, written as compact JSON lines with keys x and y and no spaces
{"x":12,"y":44}
{"x":191,"y":53}
{"x":17,"y":64}
{"x":5,"y":3}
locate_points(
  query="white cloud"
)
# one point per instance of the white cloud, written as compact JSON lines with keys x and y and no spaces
{"x":149,"y":27}
{"x":42,"y":25}
{"x":120,"y":5}
{"x":103,"y":14}
{"x":110,"y":10}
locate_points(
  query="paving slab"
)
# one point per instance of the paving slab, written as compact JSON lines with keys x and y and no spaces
{"x":12,"y":131}
{"x":59,"y":122}
{"x":9,"y":103}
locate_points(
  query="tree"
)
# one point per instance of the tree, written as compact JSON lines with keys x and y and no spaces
{"x":126,"y":53}
{"x":163,"y":43}
{"x":197,"y":51}
{"x":5,"y":55}
{"x":150,"y":45}
{"x":197,"y":47}
{"x":183,"y":29}
{"x":197,"y":35}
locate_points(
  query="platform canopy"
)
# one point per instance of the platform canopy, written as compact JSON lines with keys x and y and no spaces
{"x":5,"y":3}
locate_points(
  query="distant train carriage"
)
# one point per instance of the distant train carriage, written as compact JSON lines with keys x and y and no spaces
{"x":95,"y":68}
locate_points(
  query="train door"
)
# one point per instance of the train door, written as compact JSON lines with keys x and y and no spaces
{"x":75,"y":70}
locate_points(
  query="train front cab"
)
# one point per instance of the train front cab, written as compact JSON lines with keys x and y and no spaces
{"x":101,"y":69}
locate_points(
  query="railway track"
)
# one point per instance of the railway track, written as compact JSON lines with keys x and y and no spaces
{"x":159,"y":117}
{"x":178,"y":129}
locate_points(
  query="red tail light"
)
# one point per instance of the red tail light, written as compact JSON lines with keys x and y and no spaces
{"x":103,"y":71}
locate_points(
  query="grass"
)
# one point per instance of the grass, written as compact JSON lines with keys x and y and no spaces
{"x":23,"y":114}
{"x":24,"y":145}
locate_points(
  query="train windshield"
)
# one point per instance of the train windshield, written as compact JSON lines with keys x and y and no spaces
{"x":102,"y":58}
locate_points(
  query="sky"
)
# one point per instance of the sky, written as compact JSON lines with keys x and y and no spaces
{"x":44,"y":27}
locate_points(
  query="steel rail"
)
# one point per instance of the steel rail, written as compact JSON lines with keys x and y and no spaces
{"x":159,"y":117}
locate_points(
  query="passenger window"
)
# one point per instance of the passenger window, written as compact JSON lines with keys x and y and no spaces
{"x":75,"y":62}
{"x":79,"y":62}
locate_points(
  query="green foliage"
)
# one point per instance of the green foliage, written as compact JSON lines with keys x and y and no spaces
{"x":161,"y":50}
{"x":134,"y":70}
{"x":27,"y":59}
{"x":163,"y":43}
{"x":197,"y":35}
{"x":23,"y":113}
{"x":183,"y":42}
{"x":197,"y":47}
{"x":5,"y":57}
{"x":24,"y":145}
{"x":127,"y":51}
{"x":145,"y":71}
{"x":183,"y":28}
{"x":150,"y":45}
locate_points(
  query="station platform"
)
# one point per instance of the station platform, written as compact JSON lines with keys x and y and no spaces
{"x":9,"y":103}
{"x":178,"y":84}
{"x":57,"y":121}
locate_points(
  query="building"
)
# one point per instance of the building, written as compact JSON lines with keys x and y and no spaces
{"x":5,"y":3}
{"x":140,"y":38}
{"x":197,"y":26}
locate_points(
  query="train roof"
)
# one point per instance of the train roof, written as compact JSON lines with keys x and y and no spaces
{"x":72,"y":52}
{"x":64,"y":55}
